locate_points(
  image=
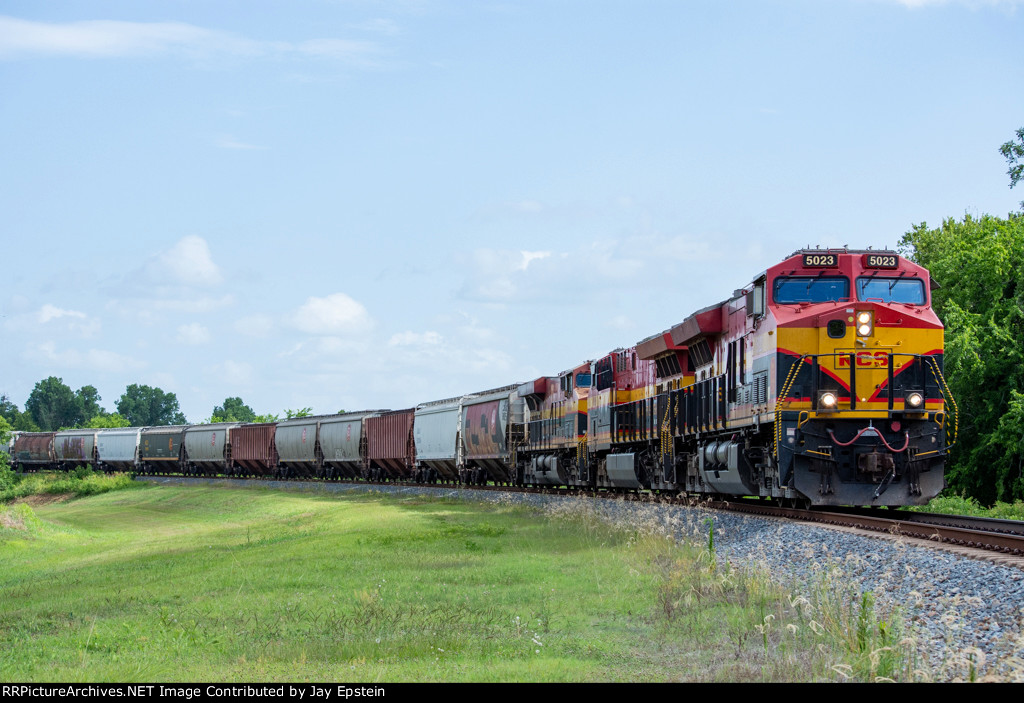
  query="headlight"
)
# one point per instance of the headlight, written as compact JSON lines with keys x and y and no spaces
{"x":865,"y":324}
{"x":828,"y":401}
{"x":914,"y":400}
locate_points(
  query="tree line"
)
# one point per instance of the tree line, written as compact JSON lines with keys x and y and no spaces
{"x":978,"y":262}
{"x":52,"y":405}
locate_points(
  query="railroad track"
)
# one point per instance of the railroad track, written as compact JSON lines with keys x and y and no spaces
{"x":987,"y":538}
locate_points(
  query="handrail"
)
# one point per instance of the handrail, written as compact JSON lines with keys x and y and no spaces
{"x":941,"y":382}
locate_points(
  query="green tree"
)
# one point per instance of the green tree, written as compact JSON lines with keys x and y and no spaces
{"x":7,"y":477}
{"x":301,"y":412}
{"x":53,"y":405}
{"x":144,"y":405}
{"x":88,"y":399}
{"x":979,"y":263}
{"x":1013,"y":152}
{"x":17,"y":419}
{"x":233,"y":410}
{"x":107,"y":421}
{"x":5,"y":432}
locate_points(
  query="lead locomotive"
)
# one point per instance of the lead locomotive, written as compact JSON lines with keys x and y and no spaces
{"x":820,"y":382}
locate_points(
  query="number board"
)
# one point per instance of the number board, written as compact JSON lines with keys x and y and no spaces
{"x":822,"y":261}
{"x":881,"y":261}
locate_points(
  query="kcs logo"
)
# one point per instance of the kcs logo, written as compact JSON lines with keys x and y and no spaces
{"x":866,"y":358}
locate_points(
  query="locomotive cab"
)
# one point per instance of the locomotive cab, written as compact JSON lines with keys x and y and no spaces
{"x":860,"y":413}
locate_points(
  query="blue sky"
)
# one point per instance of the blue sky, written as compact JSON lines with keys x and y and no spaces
{"x":364,"y":204}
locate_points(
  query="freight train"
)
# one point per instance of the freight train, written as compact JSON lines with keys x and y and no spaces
{"x":819,"y":382}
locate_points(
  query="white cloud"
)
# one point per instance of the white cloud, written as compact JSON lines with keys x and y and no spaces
{"x":26,"y":321}
{"x":522,"y":276}
{"x":335,"y":314}
{"x":73,"y":321}
{"x":177,"y":279}
{"x":511,"y":276}
{"x":529,"y":256}
{"x":94,"y":359}
{"x":506,"y":275}
{"x":193,"y":334}
{"x":188,"y":263}
{"x":110,"y":38}
{"x":51,"y":312}
{"x":97,"y":38}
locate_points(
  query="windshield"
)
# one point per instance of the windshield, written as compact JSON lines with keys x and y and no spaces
{"x":803,"y":289}
{"x":891,"y":290}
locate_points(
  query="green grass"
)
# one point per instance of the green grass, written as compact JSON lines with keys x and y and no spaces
{"x":959,"y":505}
{"x":226,"y":584}
{"x":80,"y":482}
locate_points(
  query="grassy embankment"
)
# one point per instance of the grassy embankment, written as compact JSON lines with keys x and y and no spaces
{"x":78,"y":483}
{"x":958,"y":505}
{"x":187,"y":583}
